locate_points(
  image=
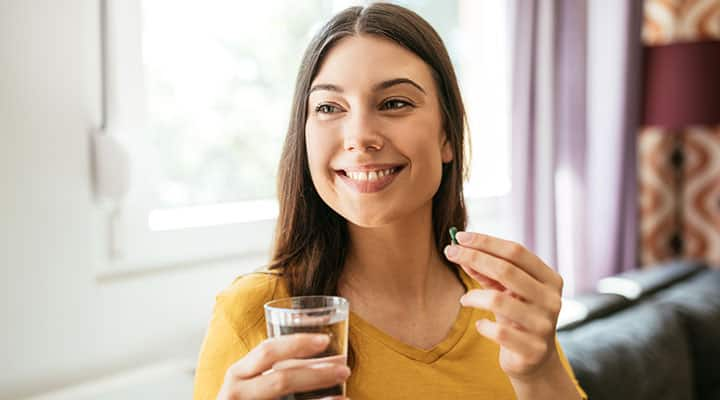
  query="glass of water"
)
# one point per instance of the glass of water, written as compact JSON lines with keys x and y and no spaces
{"x":313,"y":314}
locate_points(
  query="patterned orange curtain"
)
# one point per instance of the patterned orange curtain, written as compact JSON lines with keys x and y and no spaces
{"x":679,"y":176}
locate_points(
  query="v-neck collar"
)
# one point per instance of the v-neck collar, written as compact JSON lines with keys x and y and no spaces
{"x":428,"y":356}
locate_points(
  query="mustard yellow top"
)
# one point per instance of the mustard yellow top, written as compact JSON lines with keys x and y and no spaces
{"x":463,"y":366}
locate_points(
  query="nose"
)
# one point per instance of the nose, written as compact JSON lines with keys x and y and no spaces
{"x":361,"y":133}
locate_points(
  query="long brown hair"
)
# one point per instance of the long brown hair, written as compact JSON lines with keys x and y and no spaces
{"x":311,"y":239}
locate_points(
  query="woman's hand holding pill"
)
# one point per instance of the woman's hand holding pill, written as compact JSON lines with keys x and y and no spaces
{"x":523,"y":293}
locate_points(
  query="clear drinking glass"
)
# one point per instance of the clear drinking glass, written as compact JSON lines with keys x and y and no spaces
{"x":313,"y":314}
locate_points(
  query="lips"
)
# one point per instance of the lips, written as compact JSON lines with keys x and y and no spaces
{"x":369,"y":178}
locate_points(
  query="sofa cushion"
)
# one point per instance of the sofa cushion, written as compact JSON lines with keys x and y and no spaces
{"x":697,"y":300}
{"x":638,"y":353}
{"x":642,"y":282}
{"x":580,"y":309}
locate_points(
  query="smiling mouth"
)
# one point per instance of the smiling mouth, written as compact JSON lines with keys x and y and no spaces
{"x":371,"y":175}
{"x":369,"y":180}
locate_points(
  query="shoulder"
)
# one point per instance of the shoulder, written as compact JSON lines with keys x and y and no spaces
{"x":242,"y":302}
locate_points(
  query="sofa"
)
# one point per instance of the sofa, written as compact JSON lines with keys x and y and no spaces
{"x":647,"y":334}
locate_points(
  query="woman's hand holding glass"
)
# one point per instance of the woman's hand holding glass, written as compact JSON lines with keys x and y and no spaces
{"x":523,"y":293}
{"x":269,"y":370}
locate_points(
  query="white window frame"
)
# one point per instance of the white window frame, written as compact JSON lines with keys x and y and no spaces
{"x":133,"y":245}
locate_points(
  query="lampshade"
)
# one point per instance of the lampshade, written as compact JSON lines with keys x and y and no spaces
{"x":682,"y":84}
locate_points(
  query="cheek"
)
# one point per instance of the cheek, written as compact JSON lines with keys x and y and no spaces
{"x":319,"y":151}
{"x":314,"y":153}
{"x":425,"y":150}
{"x":430,"y":171}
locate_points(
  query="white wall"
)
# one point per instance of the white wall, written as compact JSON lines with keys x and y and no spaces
{"x":60,"y":324}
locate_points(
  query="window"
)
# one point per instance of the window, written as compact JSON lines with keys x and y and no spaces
{"x":200,"y":95}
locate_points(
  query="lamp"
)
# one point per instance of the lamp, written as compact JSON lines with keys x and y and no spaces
{"x":682,"y":84}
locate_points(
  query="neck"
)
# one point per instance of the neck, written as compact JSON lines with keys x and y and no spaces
{"x":396,"y":263}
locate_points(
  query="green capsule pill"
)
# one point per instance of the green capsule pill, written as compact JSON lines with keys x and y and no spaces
{"x":453,"y":230}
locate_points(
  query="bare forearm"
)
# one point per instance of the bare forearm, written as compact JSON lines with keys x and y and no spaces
{"x":556,"y":384}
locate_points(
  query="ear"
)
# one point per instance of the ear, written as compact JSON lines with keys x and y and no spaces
{"x":447,"y":151}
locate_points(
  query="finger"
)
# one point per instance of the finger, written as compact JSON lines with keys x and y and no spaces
{"x":271,"y":351}
{"x":484,"y":280}
{"x":294,"y":363}
{"x":524,"y":315}
{"x":513,"y":252}
{"x":528,"y":347}
{"x":498,"y":269}
{"x":505,"y":321}
{"x":516,"y":280}
{"x":286,"y":381}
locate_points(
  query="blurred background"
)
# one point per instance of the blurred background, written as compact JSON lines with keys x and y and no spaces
{"x":139,"y":150}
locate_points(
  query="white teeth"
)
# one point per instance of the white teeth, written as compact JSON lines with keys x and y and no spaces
{"x":369,"y":176}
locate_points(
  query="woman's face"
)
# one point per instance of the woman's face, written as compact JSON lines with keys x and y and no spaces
{"x":374,"y":132}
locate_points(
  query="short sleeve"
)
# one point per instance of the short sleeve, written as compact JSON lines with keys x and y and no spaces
{"x":221,"y":348}
{"x":569,"y":370}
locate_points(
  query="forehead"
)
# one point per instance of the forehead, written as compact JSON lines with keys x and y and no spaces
{"x":356,"y":62}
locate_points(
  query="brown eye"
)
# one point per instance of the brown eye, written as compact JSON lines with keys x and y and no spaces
{"x":326,"y":109}
{"x":395,"y":104}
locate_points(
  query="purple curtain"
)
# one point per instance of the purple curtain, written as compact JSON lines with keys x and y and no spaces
{"x":575,"y":101}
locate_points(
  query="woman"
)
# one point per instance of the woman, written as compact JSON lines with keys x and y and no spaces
{"x":370,"y":181}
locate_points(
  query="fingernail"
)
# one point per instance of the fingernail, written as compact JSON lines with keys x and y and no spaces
{"x":343,"y":372}
{"x":462,"y":300}
{"x":480,"y":324}
{"x":321,"y":340}
{"x":463,"y":237}
{"x":451,"y":251}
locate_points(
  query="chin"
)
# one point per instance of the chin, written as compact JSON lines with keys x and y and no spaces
{"x":368,"y":219}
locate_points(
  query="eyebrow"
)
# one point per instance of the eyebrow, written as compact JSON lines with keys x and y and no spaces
{"x":380,"y":86}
